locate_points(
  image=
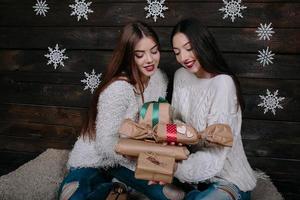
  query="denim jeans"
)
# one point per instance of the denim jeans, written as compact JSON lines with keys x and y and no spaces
{"x":153,"y":192}
{"x":219,"y":191}
{"x":88,"y":183}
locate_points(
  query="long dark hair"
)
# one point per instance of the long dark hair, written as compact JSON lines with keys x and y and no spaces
{"x":207,"y":51}
{"x":122,"y":66}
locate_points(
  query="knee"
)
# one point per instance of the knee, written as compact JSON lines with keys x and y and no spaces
{"x":68,"y":192}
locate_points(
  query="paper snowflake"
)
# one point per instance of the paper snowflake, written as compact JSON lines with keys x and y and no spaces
{"x":56,"y":56}
{"x":92,"y":80}
{"x":232,"y":9}
{"x":155,"y":8}
{"x":271,"y":102}
{"x":265,"y":57}
{"x":81,"y":9}
{"x":41,"y":8}
{"x":264,"y":31}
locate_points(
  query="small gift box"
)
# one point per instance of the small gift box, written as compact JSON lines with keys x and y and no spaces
{"x":154,"y":112}
{"x":178,"y":133}
{"x":155,"y":167}
{"x":131,"y":147}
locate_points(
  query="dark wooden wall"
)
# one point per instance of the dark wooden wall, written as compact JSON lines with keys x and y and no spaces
{"x":41,"y":107}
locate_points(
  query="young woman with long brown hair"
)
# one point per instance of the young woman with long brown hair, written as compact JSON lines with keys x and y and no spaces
{"x":131,"y":78}
{"x":207,"y":92}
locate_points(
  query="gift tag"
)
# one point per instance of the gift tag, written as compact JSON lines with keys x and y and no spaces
{"x":181,"y":129}
{"x":189,"y":134}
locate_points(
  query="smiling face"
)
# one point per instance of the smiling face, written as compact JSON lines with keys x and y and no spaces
{"x":184,"y":53}
{"x":146,"y":56}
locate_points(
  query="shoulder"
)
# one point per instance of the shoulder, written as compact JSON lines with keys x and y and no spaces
{"x":159,"y":77}
{"x":182,"y":77}
{"x":223,"y":84}
{"x":118,"y":88}
{"x":223,"y":81}
{"x":181,"y":73}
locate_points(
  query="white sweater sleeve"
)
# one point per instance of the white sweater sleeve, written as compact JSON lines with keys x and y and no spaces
{"x":207,"y":163}
{"x":112,"y":107}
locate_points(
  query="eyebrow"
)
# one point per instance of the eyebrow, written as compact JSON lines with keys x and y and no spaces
{"x":183,"y":45}
{"x":144,"y":51}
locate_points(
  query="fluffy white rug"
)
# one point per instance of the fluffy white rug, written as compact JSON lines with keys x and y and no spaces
{"x":40,"y":178}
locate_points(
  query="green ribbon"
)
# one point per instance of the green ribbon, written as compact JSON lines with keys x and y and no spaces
{"x":155,"y":111}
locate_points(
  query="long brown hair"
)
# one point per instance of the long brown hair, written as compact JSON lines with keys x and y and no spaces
{"x":122,"y":66}
{"x":207,"y":51}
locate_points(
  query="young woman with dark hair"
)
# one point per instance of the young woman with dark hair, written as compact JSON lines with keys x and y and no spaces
{"x":207,"y":92}
{"x":131,"y":78}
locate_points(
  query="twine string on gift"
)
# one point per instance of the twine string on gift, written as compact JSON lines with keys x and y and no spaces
{"x":155,"y":110}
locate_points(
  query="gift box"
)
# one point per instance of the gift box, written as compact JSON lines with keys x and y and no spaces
{"x":178,"y":133}
{"x":155,"y":167}
{"x":154,"y":112}
{"x":217,"y":134}
{"x":131,"y":147}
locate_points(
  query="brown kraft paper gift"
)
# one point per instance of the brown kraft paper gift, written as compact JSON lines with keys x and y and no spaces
{"x":132,"y":147}
{"x":151,"y":166}
{"x":217,"y":134}
{"x":164,"y":114}
{"x":179,"y":133}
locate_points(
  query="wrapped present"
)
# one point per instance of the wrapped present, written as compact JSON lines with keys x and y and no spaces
{"x":131,"y":147}
{"x":133,"y":130}
{"x":154,"y":112}
{"x":155,"y":167}
{"x":178,"y":133}
{"x":217,"y":134}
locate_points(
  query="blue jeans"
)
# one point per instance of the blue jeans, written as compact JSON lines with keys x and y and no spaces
{"x":85,"y":183}
{"x":219,"y":191}
{"x":153,"y":192}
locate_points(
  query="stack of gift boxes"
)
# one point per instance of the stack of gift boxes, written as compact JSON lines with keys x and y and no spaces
{"x":152,"y":141}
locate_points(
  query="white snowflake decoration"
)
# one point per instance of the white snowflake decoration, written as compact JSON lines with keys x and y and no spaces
{"x":92,"y":80}
{"x":81,"y":9}
{"x":40,"y":7}
{"x":56,"y":56}
{"x":265,"y":57}
{"x":155,"y":8}
{"x":271,"y":102}
{"x":265,"y":31}
{"x":232,"y":9}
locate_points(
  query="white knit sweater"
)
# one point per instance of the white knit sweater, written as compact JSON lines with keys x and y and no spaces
{"x":202,"y":102}
{"x":117,"y":102}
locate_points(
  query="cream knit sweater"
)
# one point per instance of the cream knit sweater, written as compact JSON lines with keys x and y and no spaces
{"x":117,"y":102}
{"x":202,"y":102}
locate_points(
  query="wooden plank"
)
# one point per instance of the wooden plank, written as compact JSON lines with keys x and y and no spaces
{"x":74,"y":96}
{"x":119,"y":13}
{"x":244,"y":65}
{"x":39,"y":131}
{"x":136,"y":1}
{"x":17,"y":113}
{"x":32,"y":145}
{"x":271,"y":148}
{"x":280,"y":132}
{"x":11,"y":160}
{"x":105,"y":38}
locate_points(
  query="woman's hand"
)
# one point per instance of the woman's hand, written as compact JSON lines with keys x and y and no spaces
{"x":161,"y":182}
